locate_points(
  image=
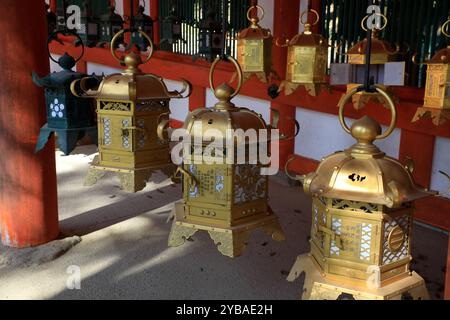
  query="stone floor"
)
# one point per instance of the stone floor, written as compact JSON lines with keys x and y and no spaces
{"x":124,"y":255}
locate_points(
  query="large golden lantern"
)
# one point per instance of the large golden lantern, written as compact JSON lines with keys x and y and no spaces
{"x":306,"y":60}
{"x":227,"y":199}
{"x":131,"y":107}
{"x":437,"y":88}
{"x":361,"y":220}
{"x":384,"y":72}
{"x":254,"y":49}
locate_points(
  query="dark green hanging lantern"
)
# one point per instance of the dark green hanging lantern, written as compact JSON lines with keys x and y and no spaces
{"x":90,"y":24}
{"x":51,"y":19}
{"x":210,"y":36}
{"x":71,"y":118}
{"x":171,"y":30}
{"x":110,"y":24}
{"x":144,"y":23}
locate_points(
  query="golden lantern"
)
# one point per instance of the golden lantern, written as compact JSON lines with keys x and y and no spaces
{"x":254,"y":49}
{"x":437,"y":88}
{"x":306,"y":60}
{"x":131,"y":108}
{"x":361,"y":220}
{"x":383,"y":71}
{"x":228,"y":199}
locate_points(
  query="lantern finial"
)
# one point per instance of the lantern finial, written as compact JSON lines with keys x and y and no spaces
{"x":225,"y":92}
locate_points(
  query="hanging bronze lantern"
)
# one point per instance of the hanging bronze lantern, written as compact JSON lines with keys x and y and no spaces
{"x":225,"y":198}
{"x":89,"y":27}
{"x":437,"y":89}
{"x":306,"y":60}
{"x":171,"y":30}
{"x":51,"y":20}
{"x":144,"y":23}
{"x":131,"y":106}
{"x":210,"y":36}
{"x":254,"y":49}
{"x":383,"y":71}
{"x":110,"y":24}
{"x":361,"y":220}
{"x":70,"y":117}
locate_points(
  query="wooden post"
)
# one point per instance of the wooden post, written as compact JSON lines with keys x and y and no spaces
{"x":155,"y":16}
{"x":197,"y":98}
{"x":285,"y":24}
{"x":28,"y":196}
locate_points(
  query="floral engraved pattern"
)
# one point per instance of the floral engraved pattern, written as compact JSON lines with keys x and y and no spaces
{"x":249,"y":184}
{"x":125,"y":137}
{"x":142,"y":138}
{"x":107,"y":131}
{"x":56,"y":109}
{"x":193,"y":190}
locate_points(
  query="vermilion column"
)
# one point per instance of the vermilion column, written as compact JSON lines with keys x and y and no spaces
{"x":198,"y":98}
{"x":285,"y":24}
{"x":28,"y":198}
{"x":155,"y":16}
{"x":52,"y":4}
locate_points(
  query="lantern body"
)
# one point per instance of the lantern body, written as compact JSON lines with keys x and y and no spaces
{"x":210,"y":37}
{"x":306,"y":63}
{"x":145,"y":23}
{"x":227,"y":198}
{"x":254,"y":52}
{"x":67,"y":115}
{"x":385,"y":72}
{"x":171,"y":30}
{"x":127,"y":130}
{"x":437,"y":89}
{"x":361,"y":223}
{"x":110,"y":24}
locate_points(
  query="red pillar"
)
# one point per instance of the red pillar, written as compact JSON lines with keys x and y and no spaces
{"x":28,"y":197}
{"x":155,"y":16}
{"x":52,"y":5}
{"x":285,"y":24}
{"x":198,"y":98}
{"x":447,"y":275}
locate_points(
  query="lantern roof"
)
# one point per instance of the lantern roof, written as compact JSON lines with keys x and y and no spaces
{"x":308,"y":40}
{"x":363,"y":172}
{"x":254,"y":32}
{"x":379,"y":47}
{"x":441,"y":57}
{"x":133,"y":84}
{"x":111,"y":16}
{"x":141,"y":17}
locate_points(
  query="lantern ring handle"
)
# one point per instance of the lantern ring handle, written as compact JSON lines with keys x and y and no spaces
{"x":346,"y":98}
{"x":282,"y":45}
{"x":444,"y":26}
{"x":238,"y":70}
{"x":257,"y":7}
{"x":63,"y":32}
{"x":306,"y":12}
{"x":377,"y":14}
{"x":117,"y":36}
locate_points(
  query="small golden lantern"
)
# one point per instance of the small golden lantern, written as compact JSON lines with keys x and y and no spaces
{"x":383,"y":71}
{"x":361,"y":220}
{"x":227,"y":199}
{"x":132,"y":107}
{"x":254,"y":49}
{"x":437,"y":88}
{"x":306,"y":60}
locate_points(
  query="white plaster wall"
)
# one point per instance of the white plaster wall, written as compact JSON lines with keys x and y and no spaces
{"x":303,"y":7}
{"x":321,"y":135}
{"x":98,"y":69}
{"x":119,"y":7}
{"x":258,"y":105}
{"x":179,"y":108}
{"x":54,"y":67}
{"x":268,"y":6}
{"x":441,"y":161}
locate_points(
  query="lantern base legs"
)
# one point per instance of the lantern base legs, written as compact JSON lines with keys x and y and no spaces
{"x":230,"y":241}
{"x":66,"y":138}
{"x":318,"y":287}
{"x":131,"y":180}
{"x":438,"y":116}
